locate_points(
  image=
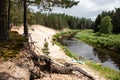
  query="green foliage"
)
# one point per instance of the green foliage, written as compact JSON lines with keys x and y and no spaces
{"x":16,"y":13}
{"x":30,"y":17}
{"x":12,"y":47}
{"x":97,"y":23}
{"x":115,"y":15}
{"x":46,"y":44}
{"x":48,"y":4}
{"x":104,"y":41}
{"x":106,"y":25}
{"x":59,"y":21}
{"x":107,"y":72}
{"x":46,"y":48}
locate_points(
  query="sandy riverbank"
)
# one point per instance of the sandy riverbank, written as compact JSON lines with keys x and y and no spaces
{"x":39,"y":34}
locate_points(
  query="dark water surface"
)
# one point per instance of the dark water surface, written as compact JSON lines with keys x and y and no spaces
{"x":106,"y":58}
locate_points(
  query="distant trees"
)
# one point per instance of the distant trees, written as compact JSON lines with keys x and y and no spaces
{"x":106,"y":25}
{"x":115,"y":16}
{"x":16,"y":12}
{"x":116,"y":20}
{"x":60,"y":21}
{"x":97,"y":23}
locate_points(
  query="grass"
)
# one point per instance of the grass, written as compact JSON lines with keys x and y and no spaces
{"x":61,"y":35}
{"x":111,"y":41}
{"x":66,"y":50}
{"x":107,"y":72}
{"x":12,"y":47}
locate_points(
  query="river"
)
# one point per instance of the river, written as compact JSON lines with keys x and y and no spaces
{"x":106,"y":58}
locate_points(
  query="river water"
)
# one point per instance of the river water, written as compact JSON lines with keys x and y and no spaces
{"x":106,"y":58}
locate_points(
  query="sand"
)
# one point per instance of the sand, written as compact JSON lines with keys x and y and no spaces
{"x":39,"y":34}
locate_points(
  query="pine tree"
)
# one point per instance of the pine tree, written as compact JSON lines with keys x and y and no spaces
{"x":97,"y":23}
{"x":3,"y":21}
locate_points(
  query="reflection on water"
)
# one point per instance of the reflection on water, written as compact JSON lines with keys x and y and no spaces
{"x":107,"y":58}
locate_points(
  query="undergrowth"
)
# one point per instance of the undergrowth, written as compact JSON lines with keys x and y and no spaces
{"x":12,"y":47}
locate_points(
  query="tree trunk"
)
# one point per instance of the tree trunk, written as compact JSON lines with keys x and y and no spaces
{"x":3,"y":21}
{"x":25,"y":20}
{"x":9,"y":6}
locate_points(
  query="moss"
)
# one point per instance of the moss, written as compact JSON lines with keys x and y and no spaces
{"x":12,"y":47}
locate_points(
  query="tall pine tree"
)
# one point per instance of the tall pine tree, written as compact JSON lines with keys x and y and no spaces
{"x":3,"y":21}
{"x":97,"y":23}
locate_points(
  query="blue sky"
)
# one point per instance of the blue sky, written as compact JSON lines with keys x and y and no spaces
{"x":89,"y":8}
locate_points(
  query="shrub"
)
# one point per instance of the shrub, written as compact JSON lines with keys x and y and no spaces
{"x":46,"y":48}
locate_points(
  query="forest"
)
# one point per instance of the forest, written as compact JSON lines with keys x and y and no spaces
{"x":115,"y":16}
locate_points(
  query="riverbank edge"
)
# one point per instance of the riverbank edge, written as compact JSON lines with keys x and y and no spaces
{"x":104,"y":71}
{"x":102,"y":41}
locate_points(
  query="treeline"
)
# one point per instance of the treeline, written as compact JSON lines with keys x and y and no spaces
{"x":115,"y":16}
{"x":53,"y":20}
{"x":60,"y":21}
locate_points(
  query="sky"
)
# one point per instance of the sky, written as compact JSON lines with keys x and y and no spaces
{"x":89,"y":8}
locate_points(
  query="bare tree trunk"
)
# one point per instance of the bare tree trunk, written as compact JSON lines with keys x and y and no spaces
{"x":9,"y":7}
{"x":25,"y":20}
{"x":3,"y":21}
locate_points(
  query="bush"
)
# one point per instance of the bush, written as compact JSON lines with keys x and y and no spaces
{"x":46,"y":48}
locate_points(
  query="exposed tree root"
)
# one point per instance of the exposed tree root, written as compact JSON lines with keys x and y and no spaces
{"x":45,"y":63}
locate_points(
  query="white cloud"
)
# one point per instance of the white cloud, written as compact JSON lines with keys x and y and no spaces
{"x":108,"y":5}
{"x":87,"y":4}
{"x":90,"y":8}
